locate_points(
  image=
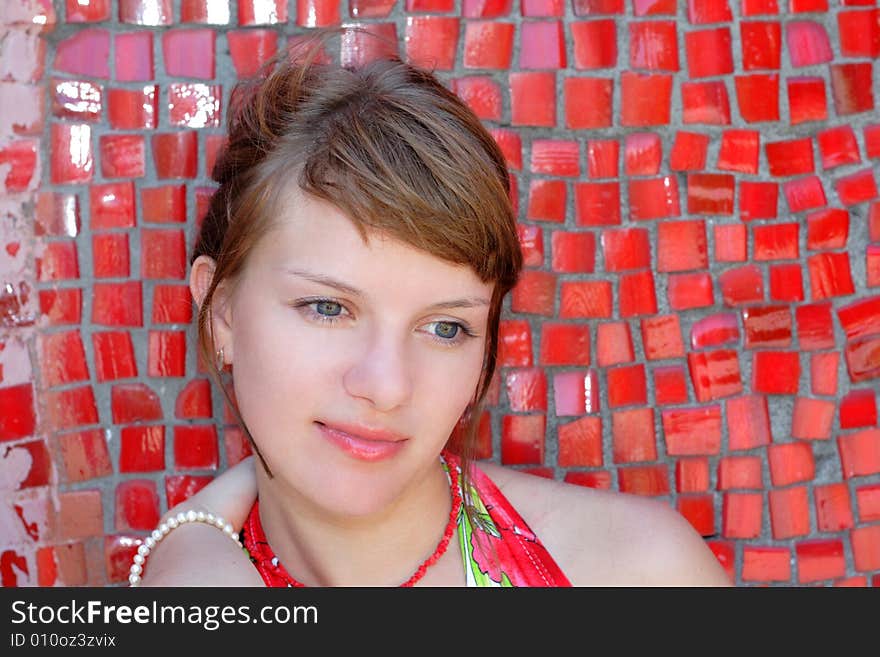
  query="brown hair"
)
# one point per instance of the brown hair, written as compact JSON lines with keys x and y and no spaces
{"x":394,"y":150}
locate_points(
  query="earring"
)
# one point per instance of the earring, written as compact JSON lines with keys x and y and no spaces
{"x":220,"y":362}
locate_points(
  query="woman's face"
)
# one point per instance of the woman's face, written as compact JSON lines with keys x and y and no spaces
{"x":352,"y":361}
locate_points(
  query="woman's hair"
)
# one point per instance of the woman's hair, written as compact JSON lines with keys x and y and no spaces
{"x":389,"y":146}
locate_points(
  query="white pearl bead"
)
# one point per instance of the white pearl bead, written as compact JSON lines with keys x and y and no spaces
{"x":138,"y":558}
{"x":172,"y":522}
{"x":181,"y":517}
{"x":200,"y":516}
{"x":156,"y":535}
{"x":150,"y":542}
{"x":190,"y":516}
{"x":133,"y":580}
{"x":228,"y":529}
{"x":211,"y":518}
{"x":143,"y":550}
{"x":136,"y":569}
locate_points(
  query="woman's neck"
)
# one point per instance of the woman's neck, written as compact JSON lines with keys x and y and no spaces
{"x":320,"y":548}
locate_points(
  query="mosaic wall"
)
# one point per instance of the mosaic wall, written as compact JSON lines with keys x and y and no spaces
{"x":699,"y":318}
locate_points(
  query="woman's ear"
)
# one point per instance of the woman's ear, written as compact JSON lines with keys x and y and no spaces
{"x":220,"y":314}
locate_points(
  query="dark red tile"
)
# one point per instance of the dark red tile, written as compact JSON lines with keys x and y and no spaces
{"x":872,"y":265}
{"x":827,"y":229}
{"x":852,"y":88}
{"x":710,"y":193}
{"x":661,"y":337}
{"x":767,"y":326}
{"x":134,"y":402}
{"x":602,"y":158}
{"x":715,"y":374}
{"x":814,"y":326}
{"x":761,"y":44}
{"x":709,"y":53}
{"x":112,"y":205}
{"x":708,"y":11}
{"x":636,"y":294}
{"x":670,"y":385}
{"x":175,"y":154}
{"x":775,"y":372}
{"x":757,"y":96}
{"x":114,"y":355}
{"x":829,"y":275}
{"x":194,"y":401}
{"x":748,"y":422}
{"x":791,"y":157}
{"x":739,"y":151}
{"x":705,"y":102}
{"x":627,"y":386}
{"x":856,"y":187}
{"x":166,"y":204}
{"x":588,"y":102}
{"x":699,"y":510}
{"x":137,"y":505}
{"x":858,"y":408}
{"x":654,"y":198}
{"x":573,"y":252}
{"x":195,"y":447}
{"x":838,"y":146}
{"x":142,"y":449}
{"x":653,"y":45}
{"x":688,"y":151}
{"x":522,"y":439}
{"x":179,"y":488}
{"x":758,"y":200}
{"x":681,"y":245}
{"x":133,"y":109}
{"x":776,"y":241}
{"x":18,"y":419}
{"x":547,"y":201}
{"x":807,"y":99}
{"x":645,"y":99}
{"x":594,"y":43}
{"x":692,"y":431}
{"x":597,"y":203}
{"x":585,"y":299}
{"x":742,"y":285}
{"x":872,"y":140}
{"x":688,"y":291}
{"x":859,"y":33}
{"x":133,"y":55}
{"x":759,"y":7}
{"x":804,"y":193}
{"x":715,"y":330}
{"x":819,"y":560}
{"x":564,"y":344}
{"x":786,"y":283}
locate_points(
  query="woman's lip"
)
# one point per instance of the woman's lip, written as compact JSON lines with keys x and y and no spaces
{"x":366,"y":433}
{"x":360,"y":447}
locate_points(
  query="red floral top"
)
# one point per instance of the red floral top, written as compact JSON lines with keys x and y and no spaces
{"x":499,"y":550}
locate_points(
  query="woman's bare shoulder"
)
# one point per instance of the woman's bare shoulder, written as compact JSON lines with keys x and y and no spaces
{"x":607,"y":538}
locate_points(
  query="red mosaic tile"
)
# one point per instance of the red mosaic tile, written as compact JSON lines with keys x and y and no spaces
{"x":791,"y":157}
{"x":856,"y":187}
{"x":602,"y":158}
{"x":555,"y":157}
{"x":110,"y":257}
{"x":189,"y":53}
{"x":194,"y":401}
{"x":692,"y":475}
{"x":580,"y":443}
{"x":872,"y":140}
{"x":122,"y":156}
{"x":590,"y":7}
{"x":62,"y":358}
{"x":757,"y":96}
{"x":145,"y":12}
{"x":542,"y":45}
{"x":708,"y":52}
{"x":710,"y":193}
{"x":643,"y":152}
{"x":133,"y":56}
{"x":576,"y":393}
{"x":137,"y":505}
{"x":142,"y":449}
{"x":739,"y":472}
{"x":522,"y":439}
{"x":776,"y":241}
{"x":175,"y":154}
{"x":766,"y":564}
{"x":531,"y":241}
{"x":627,"y":386}
{"x":166,"y":354}
{"x":533,"y":99}
{"x":204,"y":11}
{"x":21,"y":156}
{"x":597,"y":203}
{"x":57,"y":214}
{"x":526,"y":389}
{"x":58,"y":262}
{"x":66,"y":409}
{"x":166,"y":204}
{"x":767,"y":326}
{"x":78,"y":100}
{"x":838,"y":146}
{"x":708,"y":11}
{"x":163,"y":254}
{"x":645,"y":99}
{"x":860,"y":318}
{"x":819,"y":560}
{"x":759,"y":7}
{"x":653,"y":45}
{"x":829,"y":275}
{"x":806,"y":99}
{"x":194,"y":105}
{"x":705,"y":102}
{"x":742,"y":285}
{"x":650,"y":480}
{"x":807,"y":6}
{"x":872,"y":266}
{"x":262,"y":12}
{"x":539,"y":8}
{"x":859,"y":453}
{"x":84,"y":455}
{"x":573,"y":252}
{"x":739,"y":151}
{"x":85,"y":52}
{"x":827,"y":229}
{"x":370,"y":42}
{"x":534,"y":293}
{"x":510,"y":143}
{"x":865,"y":543}
{"x":692,"y":431}
{"x":588,"y":103}
{"x":791,"y":463}
{"x":699,"y":510}
{"x":661,"y":337}
{"x":482,"y":94}
{"x":80,"y":514}
{"x":195,"y":447}
{"x":625,"y":249}
{"x":71,"y":157}
{"x":636,"y":294}
{"x":317,"y":13}
{"x":250,"y":49}
{"x":688,"y":151}
{"x":868,"y":502}
{"x":179,"y":488}
{"x":761,"y":44}
{"x":93,"y":11}
{"x":547,"y":201}
{"x":133,"y":109}
{"x":114,"y":355}
{"x":815,"y":328}
{"x":715,"y":330}
{"x":775,"y":372}
{"x":61,"y":306}
{"x":112,"y":205}
{"x":670,"y":385}
{"x":564,"y":344}
{"x":431,"y":41}
{"x":758,"y":200}
{"x":807,"y":43}
{"x":653,"y":198}
{"x":851,"y":88}
{"x":633,"y":437}
{"x":812,"y":418}
{"x":681,"y":245}
{"x":833,"y":507}
{"x":594,"y":43}
{"x":653,"y":7}
{"x":515,"y":343}
{"x":687,"y":291}
{"x":613,"y":344}
{"x":859,"y":33}
{"x":584,"y":299}
{"x":730,"y":242}
{"x":714,"y":374}
{"x":823,"y":373}
{"x":748,"y":422}
{"x":786,"y":283}
{"x":858,"y":408}
{"x":117,"y":304}
{"x":488,"y":44}
{"x":596,"y":479}
{"x":742,"y":515}
{"x":863,"y":359}
{"x":789,"y":512}
{"x":134,"y":402}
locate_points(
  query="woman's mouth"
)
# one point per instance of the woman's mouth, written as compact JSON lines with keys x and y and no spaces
{"x":361,"y":443}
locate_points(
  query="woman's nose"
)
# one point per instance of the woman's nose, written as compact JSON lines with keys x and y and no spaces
{"x":381,"y":372}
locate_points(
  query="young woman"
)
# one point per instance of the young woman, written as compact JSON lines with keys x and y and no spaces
{"x":351,"y":272}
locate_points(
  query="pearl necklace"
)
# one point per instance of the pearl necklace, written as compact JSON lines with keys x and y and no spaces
{"x":275,"y":574}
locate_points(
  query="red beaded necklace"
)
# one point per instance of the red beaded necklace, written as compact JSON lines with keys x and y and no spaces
{"x":275,"y":574}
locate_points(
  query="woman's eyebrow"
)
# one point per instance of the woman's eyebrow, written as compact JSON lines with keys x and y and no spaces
{"x":322,"y":279}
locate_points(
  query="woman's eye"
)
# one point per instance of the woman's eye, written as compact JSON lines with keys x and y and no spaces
{"x":328,"y":308}
{"x":446,"y":330}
